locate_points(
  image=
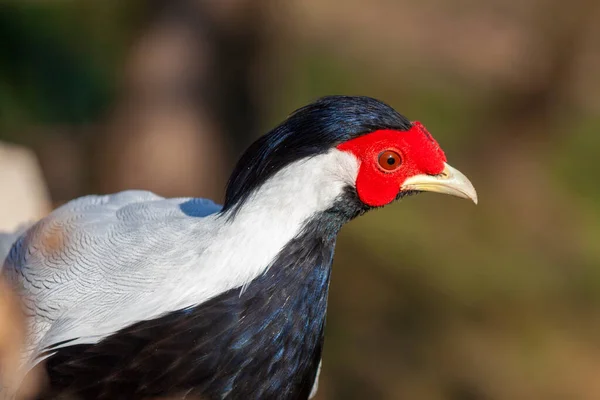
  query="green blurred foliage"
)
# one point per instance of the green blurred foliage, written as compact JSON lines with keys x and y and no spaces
{"x":59,"y":63}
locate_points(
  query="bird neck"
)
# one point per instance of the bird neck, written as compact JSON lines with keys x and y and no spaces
{"x":317,"y":188}
{"x":295,"y":194}
{"x":248,"y":239}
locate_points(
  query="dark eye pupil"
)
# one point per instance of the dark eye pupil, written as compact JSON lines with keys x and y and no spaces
{"x":389,"y":160}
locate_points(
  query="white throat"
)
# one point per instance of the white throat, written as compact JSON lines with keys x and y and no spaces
{"x":278,"y":210}
{"x":298,"y":191}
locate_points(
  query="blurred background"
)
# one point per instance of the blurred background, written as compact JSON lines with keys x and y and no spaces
{"x":432,"y":298}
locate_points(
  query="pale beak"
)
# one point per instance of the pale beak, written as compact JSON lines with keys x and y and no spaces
{"x":451,"y":181}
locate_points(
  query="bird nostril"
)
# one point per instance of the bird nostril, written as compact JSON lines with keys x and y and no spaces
{"x":443,"y":175}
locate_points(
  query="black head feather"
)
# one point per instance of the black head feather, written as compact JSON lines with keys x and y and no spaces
{"x":309,"y":131}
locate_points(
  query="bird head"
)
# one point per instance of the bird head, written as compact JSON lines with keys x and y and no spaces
{"x":354,"y":142}
{"x":394,"y":163}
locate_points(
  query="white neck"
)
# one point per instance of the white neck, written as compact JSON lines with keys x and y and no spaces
{"x":243,"y":247}
{"x":297,"y":192}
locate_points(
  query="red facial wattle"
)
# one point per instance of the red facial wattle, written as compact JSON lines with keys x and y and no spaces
{"x":420,"y":154}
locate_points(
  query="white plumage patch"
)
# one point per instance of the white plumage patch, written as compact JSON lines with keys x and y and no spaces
{"x":101,"y":263}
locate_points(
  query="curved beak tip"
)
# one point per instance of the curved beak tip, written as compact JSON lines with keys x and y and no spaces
{"x":451,"y":181}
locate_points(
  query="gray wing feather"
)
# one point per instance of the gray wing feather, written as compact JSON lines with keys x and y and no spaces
{"x":99,"y":262}
{"x":6,"y":242}
{"x":7,"y":239}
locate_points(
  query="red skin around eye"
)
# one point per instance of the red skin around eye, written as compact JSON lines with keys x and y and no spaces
{"x":420,"y":154}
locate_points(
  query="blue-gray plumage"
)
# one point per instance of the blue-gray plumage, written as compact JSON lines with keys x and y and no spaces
{"x":132,"y":295}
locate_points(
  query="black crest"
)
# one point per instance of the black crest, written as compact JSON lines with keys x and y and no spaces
{"x":309,"y":131}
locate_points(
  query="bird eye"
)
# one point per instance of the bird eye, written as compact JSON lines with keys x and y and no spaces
{"x":389,"y":160}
